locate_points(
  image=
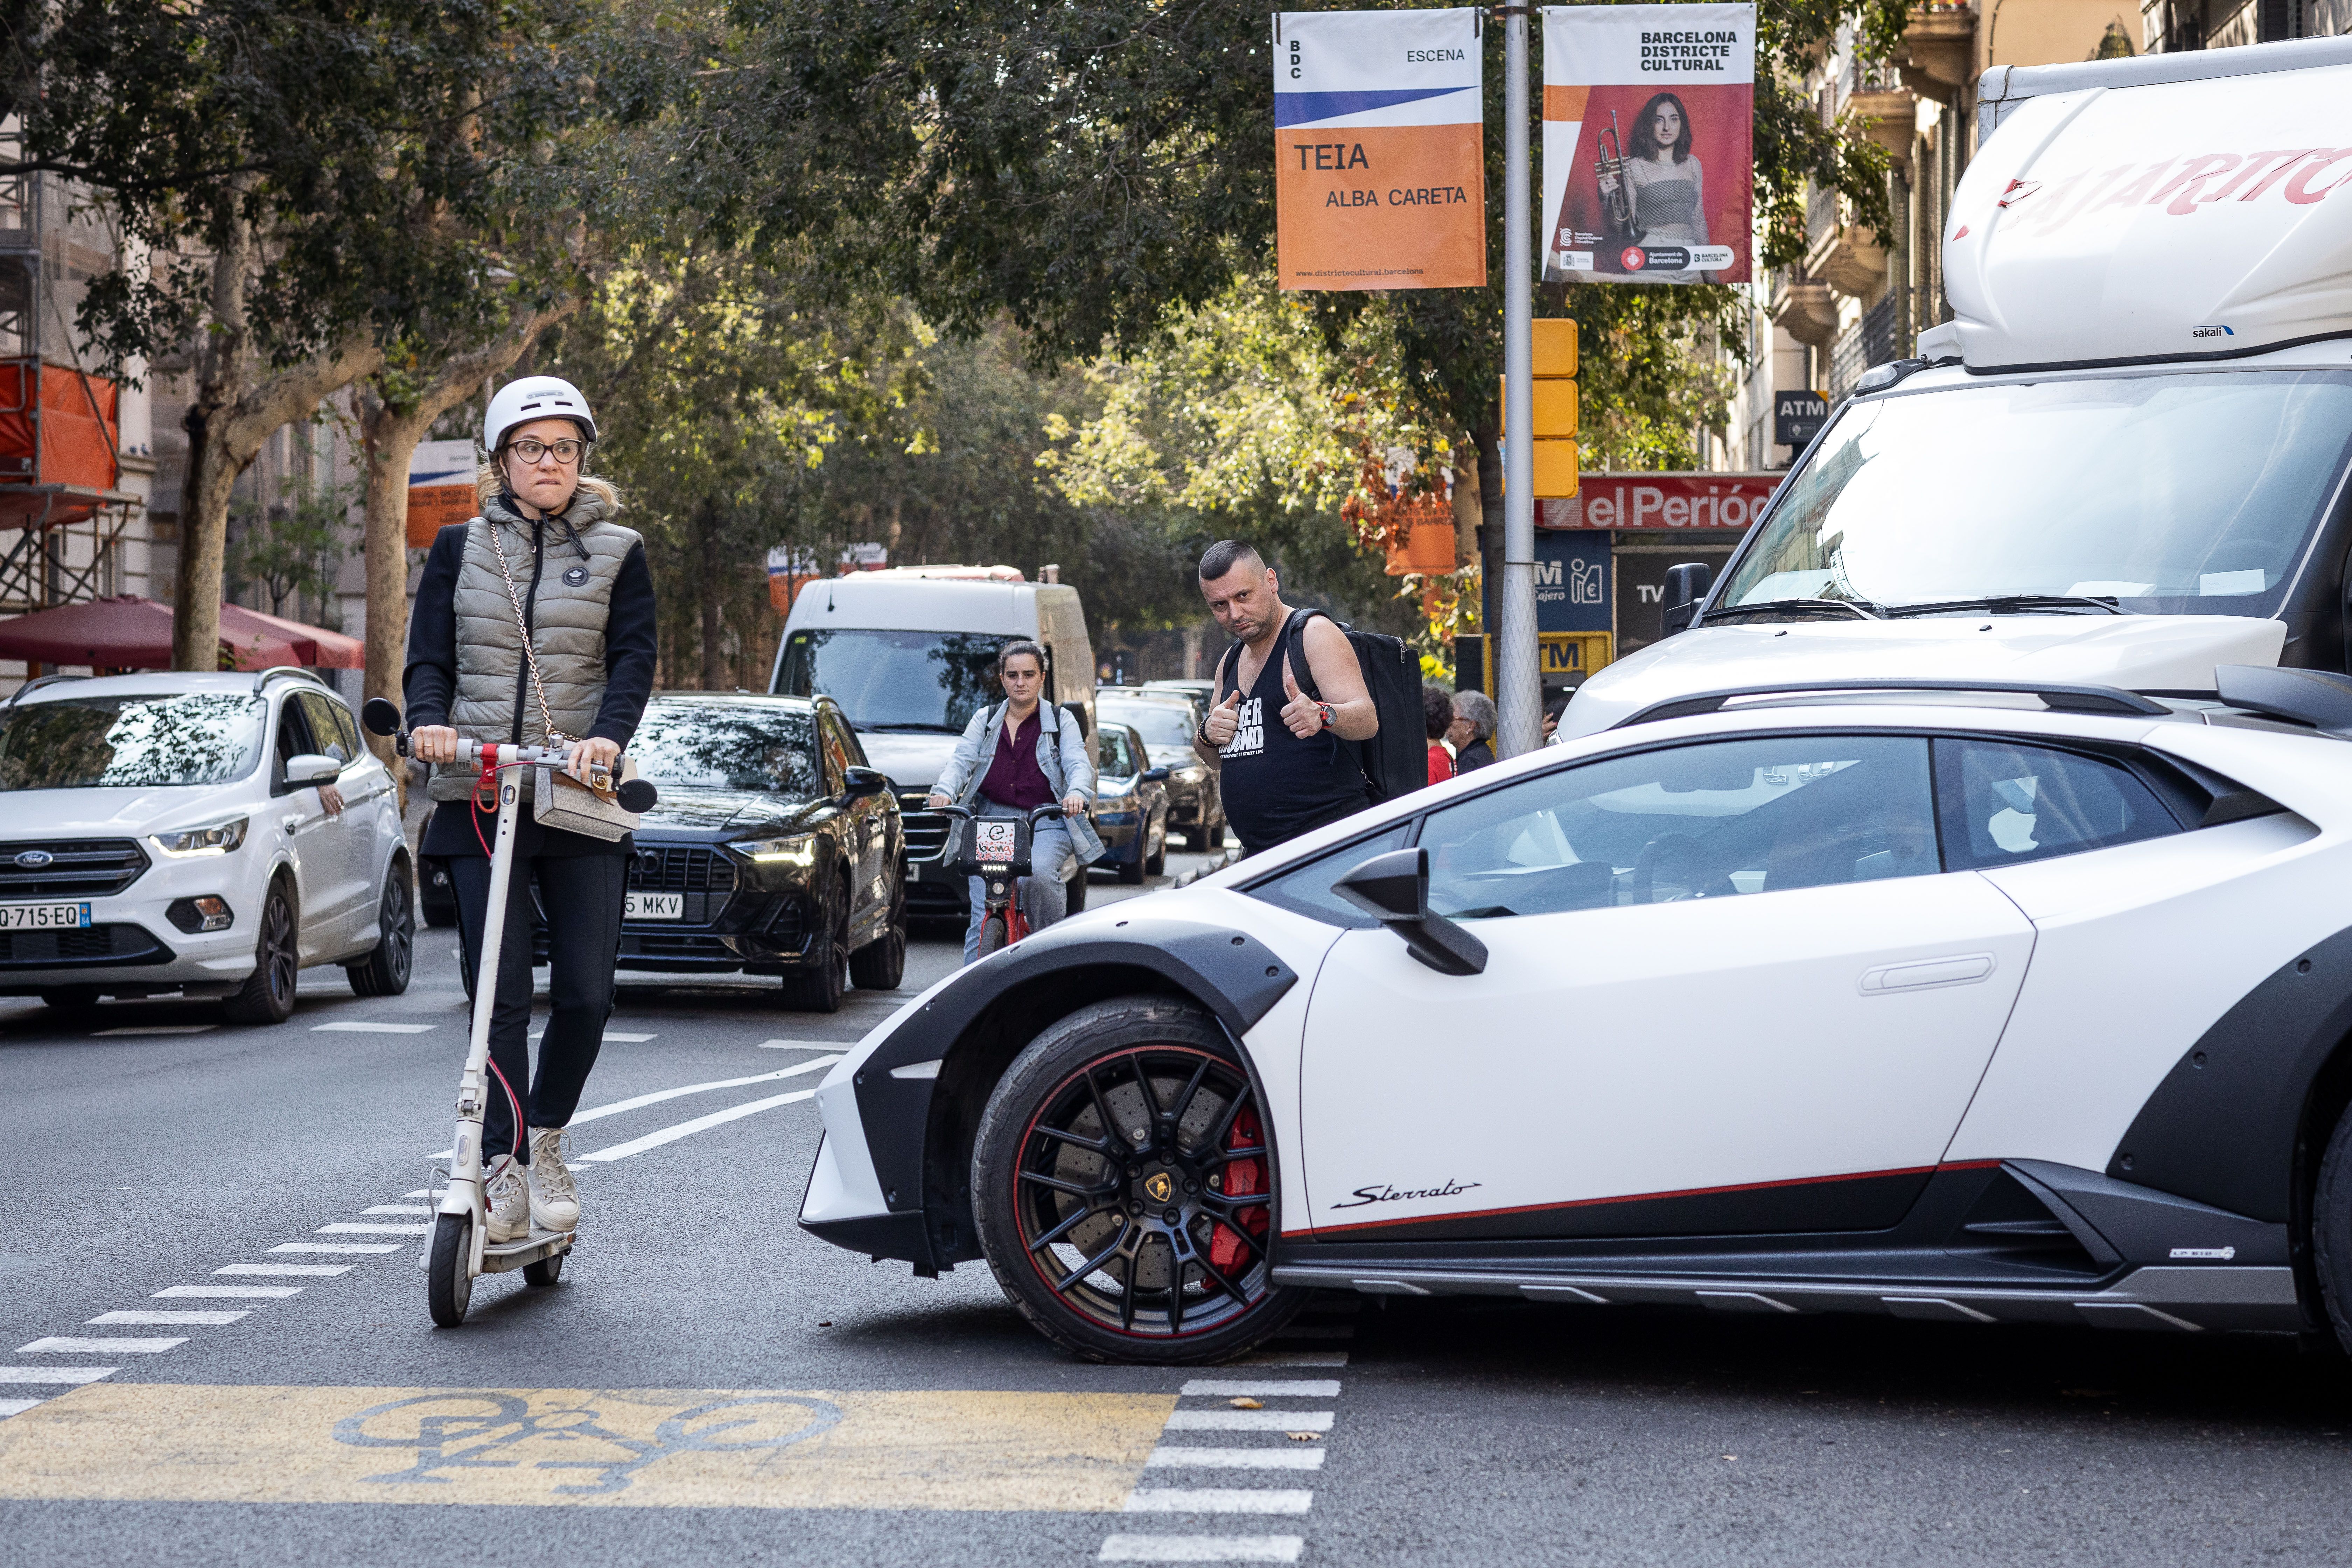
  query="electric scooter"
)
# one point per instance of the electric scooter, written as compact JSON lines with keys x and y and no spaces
{"x":461,"y":1251}
{"x":996,"y":850}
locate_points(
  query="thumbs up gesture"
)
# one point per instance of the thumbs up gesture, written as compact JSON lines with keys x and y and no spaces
{"x":1302,"y":713}
{"x":1223,"y":720}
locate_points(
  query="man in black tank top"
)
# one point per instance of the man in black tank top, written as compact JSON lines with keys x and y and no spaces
{"x":1276,"y":750}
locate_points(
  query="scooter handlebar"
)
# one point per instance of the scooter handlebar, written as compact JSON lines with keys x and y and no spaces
{"x":382,"y":716}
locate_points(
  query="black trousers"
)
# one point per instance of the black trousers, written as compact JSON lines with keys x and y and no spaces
{"x":584,"y":896}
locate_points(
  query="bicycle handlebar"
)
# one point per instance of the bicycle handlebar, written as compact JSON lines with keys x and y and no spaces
{"x":1051,"y":808}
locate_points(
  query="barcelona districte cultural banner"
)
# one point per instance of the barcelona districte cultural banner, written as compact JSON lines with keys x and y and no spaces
{"x":1648,"y":145}
{"x":1380,"y":162}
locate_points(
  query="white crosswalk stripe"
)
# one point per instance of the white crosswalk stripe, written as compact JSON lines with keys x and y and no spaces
{"x":1299,"y":1458}
{"x":59,"y":1345}
{"x":1250,"y":1421}
{"x":319,"y":1270}
{"x":1250,"y":1500}
{"x":257,"y":1292}
{"x":1291,"y":1388}
{"x":349,"y":1227}
{"x":210,"y":1318}
{"x":336,"y":1247}
{"x":1202,"y":1549}
{"x":68,"y":1374}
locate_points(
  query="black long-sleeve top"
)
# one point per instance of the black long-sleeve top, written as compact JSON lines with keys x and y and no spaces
{"x":429,"y":683}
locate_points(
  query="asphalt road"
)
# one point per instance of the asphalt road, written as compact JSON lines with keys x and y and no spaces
{"x":708,"y":1385}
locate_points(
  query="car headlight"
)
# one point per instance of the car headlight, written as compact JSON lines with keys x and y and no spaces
{"x":212,"y":838}
{"x":800,"y":849}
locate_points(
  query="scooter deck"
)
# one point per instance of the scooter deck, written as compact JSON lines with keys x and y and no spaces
{"x":498,"y":1257}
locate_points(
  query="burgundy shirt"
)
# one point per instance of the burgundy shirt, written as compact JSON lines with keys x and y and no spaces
{"x":1015,"y":779}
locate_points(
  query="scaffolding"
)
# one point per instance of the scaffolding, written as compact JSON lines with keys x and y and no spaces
{"x":63,"y":512}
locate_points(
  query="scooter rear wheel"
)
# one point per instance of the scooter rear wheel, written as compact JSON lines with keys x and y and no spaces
{"x":449,"y":1282}
{"x":546,"y":1271}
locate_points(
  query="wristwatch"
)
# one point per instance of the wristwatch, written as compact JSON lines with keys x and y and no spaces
{"x":1329,"y":718}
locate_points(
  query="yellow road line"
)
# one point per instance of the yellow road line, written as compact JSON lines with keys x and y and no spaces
{"x":556,"y":1447}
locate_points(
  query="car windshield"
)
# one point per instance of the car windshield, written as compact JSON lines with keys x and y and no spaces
{"x":894,"y":681}
{"x":734,"y":746}
{"x":1164,"y":726}
{"x":131,"y":742}
{"x":2183,"y":494}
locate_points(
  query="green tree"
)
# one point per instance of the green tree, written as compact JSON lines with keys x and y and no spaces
{"x":295,"y":550}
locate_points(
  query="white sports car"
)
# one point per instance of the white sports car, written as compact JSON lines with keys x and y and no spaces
{"x":1979,"y":1005}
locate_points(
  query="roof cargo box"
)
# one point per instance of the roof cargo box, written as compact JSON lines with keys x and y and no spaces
{"x":2172,"y":208}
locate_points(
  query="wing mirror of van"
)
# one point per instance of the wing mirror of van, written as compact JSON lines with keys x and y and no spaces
{"x":1393,"y":888}
{"x":1686,"y":586}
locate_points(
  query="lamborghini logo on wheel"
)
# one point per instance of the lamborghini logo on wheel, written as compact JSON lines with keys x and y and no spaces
{"x":1159,"y":1186}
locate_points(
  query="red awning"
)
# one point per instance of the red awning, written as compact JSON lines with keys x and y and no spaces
{"x":127,"y":632}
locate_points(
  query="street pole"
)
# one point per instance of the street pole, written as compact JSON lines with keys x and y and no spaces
{"x":1519,"y":687}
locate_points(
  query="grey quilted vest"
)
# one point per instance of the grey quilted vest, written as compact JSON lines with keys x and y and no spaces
{"x":567,"y":619}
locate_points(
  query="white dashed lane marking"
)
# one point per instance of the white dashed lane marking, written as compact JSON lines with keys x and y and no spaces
{"x":1235,"y":1459}
{"x":255,"y":1292}
{"x":598,"y":1113}
{"x":1292,"y":1388}
{"x":1247,"y":1500}
{"x":210,"y":1319}
{"x":1250,"y":1421}
{"x":321,"y":1270}
{"x":688,"y":1129}
{"x":348,"y":1228}
{"x":337,"y":1247}
{"x":1202,"y":1549}
{"x":401,"y":1208}
{"x":69,"y":1375}
{"x":56,"y":1345}
{"x":355,"y":1026}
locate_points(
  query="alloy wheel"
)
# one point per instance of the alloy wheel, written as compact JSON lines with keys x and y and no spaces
{"x":1143,"y":1199}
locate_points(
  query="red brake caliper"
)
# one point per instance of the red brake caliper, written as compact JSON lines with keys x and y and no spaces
{"x":1244,"y":1178}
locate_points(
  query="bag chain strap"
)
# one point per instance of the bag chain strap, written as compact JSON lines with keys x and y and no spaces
{"x":546,"y":719}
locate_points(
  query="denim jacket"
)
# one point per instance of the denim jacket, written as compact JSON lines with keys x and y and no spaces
{"x":1061,"y":756}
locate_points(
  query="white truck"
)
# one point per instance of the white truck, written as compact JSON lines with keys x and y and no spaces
{"x":2123,"y":461}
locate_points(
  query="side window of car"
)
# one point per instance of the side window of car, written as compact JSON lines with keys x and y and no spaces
{"x":2004,"y":803}
{"x":1718,"y":819}
{"x":1307,"y":890}
{"x":326,"y":729}
{"x":293,"y":740}
{"x":1117,"y":758}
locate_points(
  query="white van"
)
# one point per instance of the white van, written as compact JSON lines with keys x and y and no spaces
{"x":909,"y":653}
{"x":2124,"y":462}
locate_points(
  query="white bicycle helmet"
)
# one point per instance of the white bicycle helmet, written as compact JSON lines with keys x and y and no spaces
{"x":534,"y":397}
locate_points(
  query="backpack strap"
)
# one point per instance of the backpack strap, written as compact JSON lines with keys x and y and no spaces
{"x":1301,"y":671}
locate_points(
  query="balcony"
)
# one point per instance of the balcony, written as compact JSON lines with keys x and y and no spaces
{"x":1890,"y":117}
{"x":1838,"y":251}
{"x":1937,"y":54}
{"x":1803,"y":307}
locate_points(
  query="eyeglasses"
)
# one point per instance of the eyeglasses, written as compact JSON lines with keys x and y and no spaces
{"x":567,"y":451}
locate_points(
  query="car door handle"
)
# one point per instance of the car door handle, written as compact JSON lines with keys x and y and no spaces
{"x":1922,"y":973}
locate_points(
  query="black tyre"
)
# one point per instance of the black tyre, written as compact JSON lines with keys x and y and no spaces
{"x":1122,"y":1185}
{"x":1130,"y":872}
{"x":2331,"y":1229}
{"x":71,"y":998}
{"x":1074,"y":893}
{"x":437,"y":894}
{"x":818,"y":986}
{"x":268,"y":995}
{"x":992,"y":934}
{"x":1156,"y":865}
{"x":449,"y":1288}
{"x":546,"y":1271}
{"x":385,"y":971}
{"x":881,"y":964}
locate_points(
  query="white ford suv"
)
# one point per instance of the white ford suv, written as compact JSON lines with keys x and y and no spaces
{"x":171,"y":833}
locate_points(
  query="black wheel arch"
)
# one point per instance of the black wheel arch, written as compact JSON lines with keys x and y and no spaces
{"x":920,"y":1131}
{"x":2244,"y":1119}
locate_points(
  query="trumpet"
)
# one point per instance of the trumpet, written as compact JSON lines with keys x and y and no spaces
{"x":1609,"y":169}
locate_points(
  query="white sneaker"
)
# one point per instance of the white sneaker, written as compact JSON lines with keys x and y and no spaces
{"x":508,"y":1197}
{"x":554,"y":1201}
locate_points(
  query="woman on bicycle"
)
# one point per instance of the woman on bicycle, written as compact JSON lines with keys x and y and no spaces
{"x":533,"y":625}
{"x":1013,"y":758}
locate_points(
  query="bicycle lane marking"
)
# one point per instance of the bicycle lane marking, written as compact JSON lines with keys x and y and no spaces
{"x":570,"y":1447}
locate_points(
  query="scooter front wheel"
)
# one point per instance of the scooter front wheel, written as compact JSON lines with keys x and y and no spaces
{"x":449,"y":1279}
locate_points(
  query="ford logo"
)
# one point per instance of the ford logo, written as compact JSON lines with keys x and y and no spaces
{"x":34,"y":859}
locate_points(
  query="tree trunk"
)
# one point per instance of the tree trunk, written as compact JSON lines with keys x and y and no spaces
{"x":713,"y":670}
{"x":389,"y":433}
{"x":227,"y":422}
{"x":1490,"y":530}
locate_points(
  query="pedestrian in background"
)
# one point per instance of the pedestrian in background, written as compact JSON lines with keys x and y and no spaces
{"x":1437,"y":717}
{"x":1276,"y":750}
{"x":1473,"y":731}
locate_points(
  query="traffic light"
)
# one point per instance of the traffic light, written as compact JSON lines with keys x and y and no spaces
{"x":1554,"y":440}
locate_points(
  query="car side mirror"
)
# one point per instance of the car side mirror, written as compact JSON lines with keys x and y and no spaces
{"x":1393,"y":888}
{"x":1686,"y":586}
{"x":857,"y":781}
{"x":312,"y":768}
{"x":1155,"y":775}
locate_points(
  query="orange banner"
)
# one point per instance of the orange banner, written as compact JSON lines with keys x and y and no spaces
{"x":1381,"y":206}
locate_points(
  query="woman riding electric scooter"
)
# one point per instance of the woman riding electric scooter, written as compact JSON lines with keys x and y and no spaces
{"x":1012,"y":758}
{"x":544,"y":569}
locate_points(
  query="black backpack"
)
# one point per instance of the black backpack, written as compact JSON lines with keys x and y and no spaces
{"x":1395,"y":761}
